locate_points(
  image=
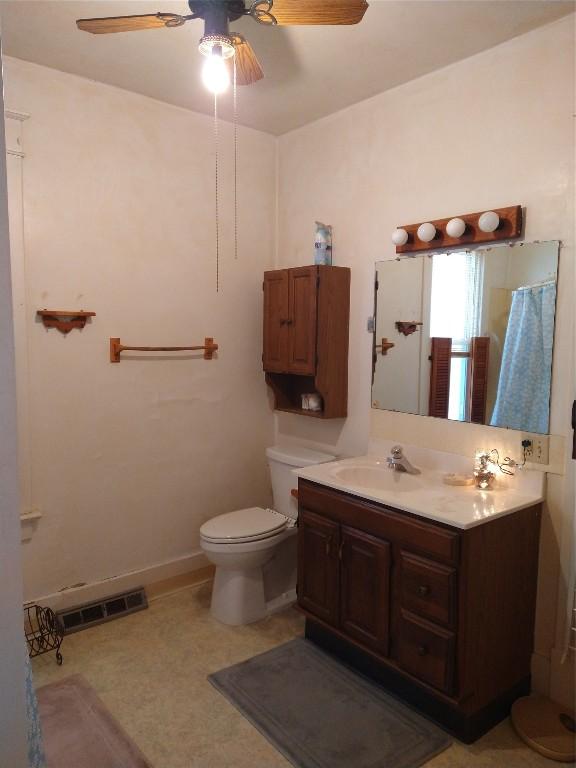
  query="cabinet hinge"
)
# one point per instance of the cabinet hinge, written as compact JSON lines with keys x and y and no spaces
{"x":376,"y":285}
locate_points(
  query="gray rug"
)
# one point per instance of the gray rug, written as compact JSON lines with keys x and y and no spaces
{"x":78,"y":730}
{"x":320,"y":714}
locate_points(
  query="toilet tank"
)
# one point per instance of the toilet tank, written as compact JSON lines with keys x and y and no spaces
{"x":282,"y":460}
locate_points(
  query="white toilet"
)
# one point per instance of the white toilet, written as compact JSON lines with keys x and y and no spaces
{"x":246,"y":544}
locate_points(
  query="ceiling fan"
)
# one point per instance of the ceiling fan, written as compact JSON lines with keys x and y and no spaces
{"x":218,"y":44}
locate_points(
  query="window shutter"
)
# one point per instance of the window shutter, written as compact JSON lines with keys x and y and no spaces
{"x":480,"y":358}
{"x":440,"y":376}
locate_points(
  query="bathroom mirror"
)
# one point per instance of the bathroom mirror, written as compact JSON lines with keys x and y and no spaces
{"x":468,"y":335}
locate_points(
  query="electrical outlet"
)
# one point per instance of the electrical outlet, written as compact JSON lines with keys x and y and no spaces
{"x":535,"y":448}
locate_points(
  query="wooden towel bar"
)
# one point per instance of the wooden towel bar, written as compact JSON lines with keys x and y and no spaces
{"x":116,"y":348}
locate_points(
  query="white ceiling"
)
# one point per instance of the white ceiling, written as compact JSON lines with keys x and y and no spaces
{"x":310,"y":71}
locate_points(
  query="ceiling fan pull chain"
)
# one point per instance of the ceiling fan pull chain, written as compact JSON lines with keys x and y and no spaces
{"x":216,"y":197}
{"x":235,"y":97}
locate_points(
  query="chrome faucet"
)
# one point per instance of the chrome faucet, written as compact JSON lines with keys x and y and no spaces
{"x":399,"y":463}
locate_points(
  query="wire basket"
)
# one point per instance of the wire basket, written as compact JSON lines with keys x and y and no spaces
{"x":43,"y":631}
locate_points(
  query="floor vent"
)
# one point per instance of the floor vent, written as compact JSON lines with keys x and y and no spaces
{"x":84,"y":616}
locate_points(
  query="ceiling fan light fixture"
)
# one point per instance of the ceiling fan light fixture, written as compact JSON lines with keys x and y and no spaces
{"x":225,"y":44}
{"x":215,"y":72}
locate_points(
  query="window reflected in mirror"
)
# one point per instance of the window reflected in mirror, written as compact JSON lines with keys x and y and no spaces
{"x":473,"y":335}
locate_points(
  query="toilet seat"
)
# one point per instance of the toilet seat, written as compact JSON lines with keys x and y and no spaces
{"x":243,"y":525}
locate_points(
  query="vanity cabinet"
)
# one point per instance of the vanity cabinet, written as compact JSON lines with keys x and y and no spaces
{"x":443,"y":616}
{"x":305,"y":337}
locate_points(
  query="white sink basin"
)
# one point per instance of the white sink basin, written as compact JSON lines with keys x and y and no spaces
{"x":426,"y":495}
{"x":378,"y":477}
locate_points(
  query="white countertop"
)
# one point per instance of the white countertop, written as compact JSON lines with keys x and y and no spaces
{"x":426,"y":494}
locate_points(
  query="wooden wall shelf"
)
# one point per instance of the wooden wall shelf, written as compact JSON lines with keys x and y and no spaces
{"x":64,"y":320}
{"x":510,"y":227}
{"x":407,"y":328}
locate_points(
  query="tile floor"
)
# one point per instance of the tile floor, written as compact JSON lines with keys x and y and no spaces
{"x":150,"y":670}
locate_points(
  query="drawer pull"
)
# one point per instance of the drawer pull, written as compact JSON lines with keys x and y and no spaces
{"x":423,"y":590}
{"x":422,"y":650}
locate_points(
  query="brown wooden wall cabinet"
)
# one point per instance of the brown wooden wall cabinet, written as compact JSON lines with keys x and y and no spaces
{"x":442,"y":616}
{"x":306,"y":319}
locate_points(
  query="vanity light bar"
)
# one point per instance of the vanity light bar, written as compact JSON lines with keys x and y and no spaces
{"x":467,"y":229}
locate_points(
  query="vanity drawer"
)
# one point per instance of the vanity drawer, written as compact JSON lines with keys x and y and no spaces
{"x":426,"y":651}
{"x":432,"y":539}
{"x":428,"y":588}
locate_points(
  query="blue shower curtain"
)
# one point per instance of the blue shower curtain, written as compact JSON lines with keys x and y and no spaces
{"x":523,"y":398}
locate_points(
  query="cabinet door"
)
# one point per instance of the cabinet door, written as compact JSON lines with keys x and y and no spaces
{"x":365,"y":589}
{"x":302,"y":320}
{"x":318,"y":542}
{"x":276,"y":294}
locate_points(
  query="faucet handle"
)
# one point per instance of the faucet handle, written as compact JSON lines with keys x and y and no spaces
{"x":397,"y":452}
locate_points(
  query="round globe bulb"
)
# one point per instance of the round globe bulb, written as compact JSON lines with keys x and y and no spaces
{"x":489,"y":221}
{"x":399,"y":237}
{"x":215,"y":74}
{"x":426,"y":232}
{"x":456,"y":227}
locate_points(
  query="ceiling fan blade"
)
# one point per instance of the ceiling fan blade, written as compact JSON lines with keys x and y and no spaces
{"x":317,"y":11}
{"x":130,"y":23}
{"x":248,"y":69}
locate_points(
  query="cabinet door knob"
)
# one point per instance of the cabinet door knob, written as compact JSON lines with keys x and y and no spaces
{"x":423,"y":590}
{"x":422,"y":650}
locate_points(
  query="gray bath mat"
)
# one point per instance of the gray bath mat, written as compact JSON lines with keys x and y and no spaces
{"x":320,"y":714}
{"x":78,"y":730}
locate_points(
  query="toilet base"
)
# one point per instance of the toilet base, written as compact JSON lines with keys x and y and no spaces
{"x":238,"y":596}
{"x":253,"y":579}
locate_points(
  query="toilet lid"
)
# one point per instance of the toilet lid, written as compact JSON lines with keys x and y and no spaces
{"x":243,"y":525}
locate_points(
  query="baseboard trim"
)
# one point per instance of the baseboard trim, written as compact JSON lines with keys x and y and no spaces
{"x":175,"y":571}
{"x":176,"y":584}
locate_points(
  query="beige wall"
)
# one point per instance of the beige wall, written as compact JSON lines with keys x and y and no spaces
{"x":128,"y":460}
{"x":428,"y":150}
{"x":12,"y":653}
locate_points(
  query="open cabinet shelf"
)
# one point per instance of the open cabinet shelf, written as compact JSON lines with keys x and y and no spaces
{"x":288,"y":390}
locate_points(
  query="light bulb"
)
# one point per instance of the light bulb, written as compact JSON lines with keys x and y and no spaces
{"x":215,"y":74}
{"x":399,"y":237}
{"x":489,"y":221}
{"x":456,"y":227}
{"x":426,"y":232}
